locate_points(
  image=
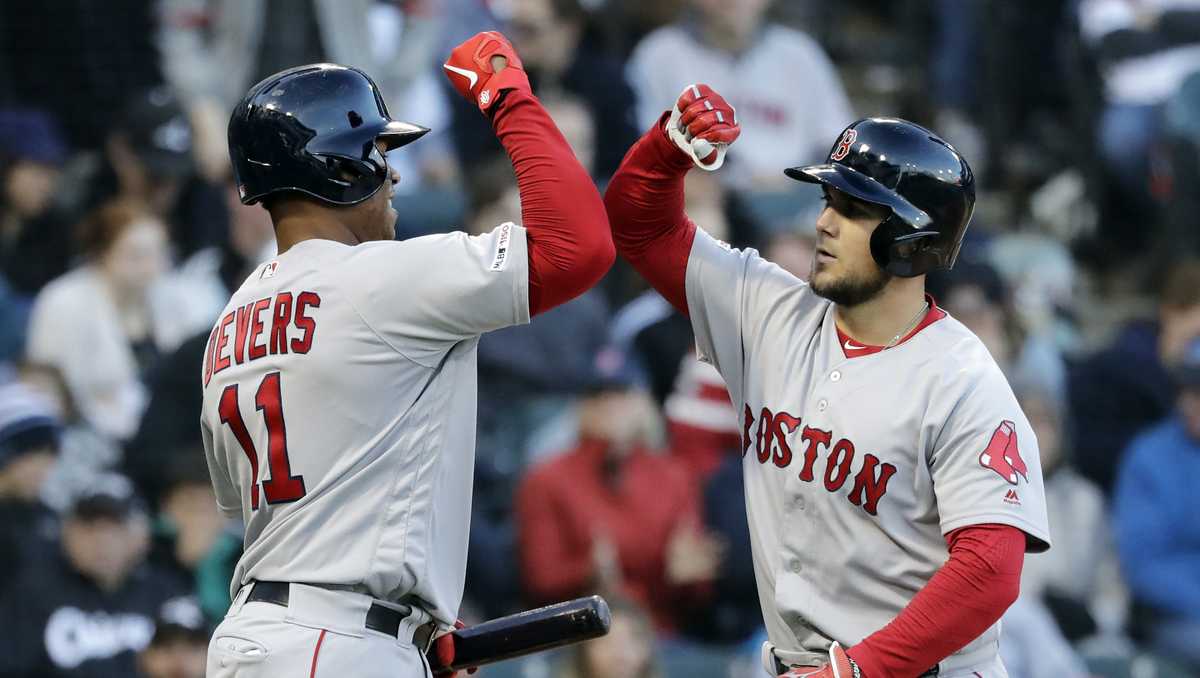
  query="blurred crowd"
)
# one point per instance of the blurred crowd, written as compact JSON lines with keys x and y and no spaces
{"x":608,"y":457}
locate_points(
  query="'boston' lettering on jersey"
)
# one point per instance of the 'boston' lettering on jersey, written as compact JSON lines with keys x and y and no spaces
{"x":260,"y":328}
{"x":770,"y":440}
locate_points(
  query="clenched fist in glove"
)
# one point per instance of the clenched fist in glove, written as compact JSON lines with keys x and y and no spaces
{"x":703,"y":124}
{"x":483,"y":67}
{"x":441,"y":655}
{"x":840,"y":666}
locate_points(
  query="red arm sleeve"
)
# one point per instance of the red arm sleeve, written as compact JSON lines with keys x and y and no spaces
{"x":570,"y":247}
{"x":966,"y":596}
{"x":645,"y":210}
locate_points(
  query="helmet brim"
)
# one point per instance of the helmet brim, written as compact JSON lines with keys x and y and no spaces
{"x":396,"y":133}
{"x":863,"y":187}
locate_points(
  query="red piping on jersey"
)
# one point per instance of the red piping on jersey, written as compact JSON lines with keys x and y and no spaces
{"x":570,"y":248}
{"x":933,"y":315}
{"x":644,"y":200}
{"x":962,"y":599}
{"x":316,"y":653}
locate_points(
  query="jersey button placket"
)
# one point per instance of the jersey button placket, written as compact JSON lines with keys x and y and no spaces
{"x":836,"y":375}
{"x":822,"y":405}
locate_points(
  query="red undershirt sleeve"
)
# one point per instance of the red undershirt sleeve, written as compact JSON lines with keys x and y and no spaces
{"x":966,"y":596}
{"x":570,"y":247}
{"x":645,"y":211}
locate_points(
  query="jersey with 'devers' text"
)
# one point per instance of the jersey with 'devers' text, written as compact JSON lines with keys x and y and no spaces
{"x":339,"y":409}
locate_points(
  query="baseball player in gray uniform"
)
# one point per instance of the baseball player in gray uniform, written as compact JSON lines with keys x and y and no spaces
{"x":892,"y":482}
{"x":339,"y":382}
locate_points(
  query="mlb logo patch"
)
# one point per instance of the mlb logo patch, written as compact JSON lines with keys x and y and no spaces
{"x":269,"y":270}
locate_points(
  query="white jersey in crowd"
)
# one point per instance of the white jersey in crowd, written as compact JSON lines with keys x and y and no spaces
{"x":857,"y":468}
{"x":339,"y":409}
{"x":779,"y":129}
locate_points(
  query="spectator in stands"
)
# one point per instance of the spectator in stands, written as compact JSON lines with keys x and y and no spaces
{"x":29,"y":432}
{"x":212,"y":51}
{"x":35,"y":243}
{"x":149,"y":156}
{"x":577,"y":124}
{"x":1078,"y":581}
{"x":561,"y":57}
{"x":179,"y":648}
{"x":191,"y":539}
{"x":975,"y":294}
{"x":611,"y":515}
{"x":759,"y":66}
{"x":1126,"y":387}
{"x":626,"y":651}
{"x":703,"y":426}
{"x":83,"y":453}
{"x":89,"y":612}
{"x":1155,"y":507}
{"x":1145,"y":49}
{"x":792,"y":249}
{"x":104,"y":324}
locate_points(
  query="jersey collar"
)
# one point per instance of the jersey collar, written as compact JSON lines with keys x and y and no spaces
{"x":853,"y":349}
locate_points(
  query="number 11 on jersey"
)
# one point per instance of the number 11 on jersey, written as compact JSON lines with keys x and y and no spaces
{"x":282,"y":486}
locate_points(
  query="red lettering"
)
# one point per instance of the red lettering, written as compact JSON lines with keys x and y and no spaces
{"x":305,"y":323}
{"x":762,"y":442}
{"x":254,"y":351}
{"x":837,"y":465}
{"x":239,"y":340}
{"x":783,"y":453}
{"x":222,"y":361}
{"x":814,"y":437}
{"x":208,"y":355}
{"x":279,"y":323}
{"x":872,"y":484}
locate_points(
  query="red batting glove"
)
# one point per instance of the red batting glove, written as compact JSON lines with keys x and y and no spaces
{"x":703,"y":124}
{"x":443,"y":653}
{"x":840,"y":666}
{"x":469,"y":69}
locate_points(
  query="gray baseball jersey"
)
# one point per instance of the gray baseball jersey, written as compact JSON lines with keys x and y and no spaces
{"x":856,"y":468}
{"x":339,"y":409}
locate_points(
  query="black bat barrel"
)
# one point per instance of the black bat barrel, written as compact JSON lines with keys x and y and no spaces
{"x":532,"y":631}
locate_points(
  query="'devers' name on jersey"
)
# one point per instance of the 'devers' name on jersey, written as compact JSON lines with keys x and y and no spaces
{"x":268,"y":326}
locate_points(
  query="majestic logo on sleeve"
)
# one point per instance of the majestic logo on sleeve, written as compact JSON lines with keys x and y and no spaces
{"x":1002,"y":455}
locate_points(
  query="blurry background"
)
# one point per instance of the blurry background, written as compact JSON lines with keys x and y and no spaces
{"x":608,"y":458}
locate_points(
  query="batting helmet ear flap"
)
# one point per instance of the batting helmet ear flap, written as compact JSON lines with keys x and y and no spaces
{"x":901,"y":250}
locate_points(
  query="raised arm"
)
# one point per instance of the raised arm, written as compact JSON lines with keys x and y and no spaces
{"x":570,"y":247}
{"x":645,"y":198}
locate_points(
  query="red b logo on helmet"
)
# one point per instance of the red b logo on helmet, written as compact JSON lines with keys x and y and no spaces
{"x":1002,"y":455}
{"x":843,"y":147}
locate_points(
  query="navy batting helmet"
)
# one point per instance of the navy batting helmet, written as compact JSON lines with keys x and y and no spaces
{"x":313,"y":130}
{"x":924,"y":183}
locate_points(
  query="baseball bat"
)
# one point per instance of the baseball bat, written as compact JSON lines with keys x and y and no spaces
{"x":527,"y":632}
